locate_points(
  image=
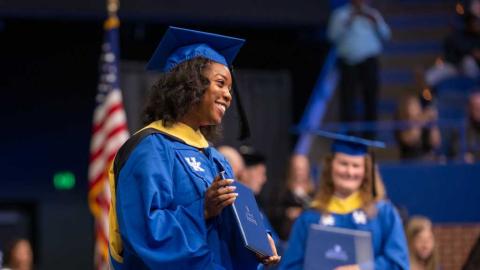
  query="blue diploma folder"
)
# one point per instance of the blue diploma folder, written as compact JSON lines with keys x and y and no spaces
{"x":330,"y":247}
{"x":250,"y":221}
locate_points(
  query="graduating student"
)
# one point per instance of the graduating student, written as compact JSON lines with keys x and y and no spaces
{"x":168,"y":200}
{"x":346,"y":198}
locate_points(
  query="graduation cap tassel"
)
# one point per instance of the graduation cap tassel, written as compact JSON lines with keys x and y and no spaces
{"x":243,"y":122}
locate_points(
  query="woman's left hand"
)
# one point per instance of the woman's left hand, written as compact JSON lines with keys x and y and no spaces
{"x":272,"y":260}
{"x":348,"y":267}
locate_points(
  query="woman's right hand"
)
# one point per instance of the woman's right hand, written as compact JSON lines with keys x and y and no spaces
{"x":219,"y":195}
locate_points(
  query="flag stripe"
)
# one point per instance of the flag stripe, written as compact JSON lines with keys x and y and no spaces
{"x":112,"y":109}
{"x":98,"y":166}
{"x":117,"y":118}
{"x":113,"y":97}
{"x":99,"y":151}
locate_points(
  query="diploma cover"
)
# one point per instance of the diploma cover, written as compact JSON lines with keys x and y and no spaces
{"x":250,"y":221}
{"x":330,"y":247}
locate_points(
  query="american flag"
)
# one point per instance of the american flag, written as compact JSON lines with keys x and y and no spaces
{"x":108,"y":134}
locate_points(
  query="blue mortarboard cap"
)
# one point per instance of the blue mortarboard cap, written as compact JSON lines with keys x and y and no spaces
{"x":179,"y":45}
{"x":349,"y":145}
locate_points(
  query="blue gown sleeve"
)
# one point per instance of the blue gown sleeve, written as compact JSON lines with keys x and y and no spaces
{"x":295,"y":253}
{"x":162,"y":235}
{"x":394,"y":251}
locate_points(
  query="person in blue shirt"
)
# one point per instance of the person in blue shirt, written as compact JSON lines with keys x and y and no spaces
{"x":168,"y":206}
{"x":358,"y":31}
{"x":346,"y":198}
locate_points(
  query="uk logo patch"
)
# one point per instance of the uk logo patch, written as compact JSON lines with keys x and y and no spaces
{"x":359,"y":217}
{"x":327,"y":220}
{"x":194,"y":164}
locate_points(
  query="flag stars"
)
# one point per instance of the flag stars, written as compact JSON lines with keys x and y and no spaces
{"x":327,"y":220}
{"x":111,"y":78}
{"x":359,"y":217}
{"x":108,"y":68}
{"x":109,"y":57}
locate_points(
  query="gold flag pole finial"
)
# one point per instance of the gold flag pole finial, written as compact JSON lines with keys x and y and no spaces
{"x":112,"y":8}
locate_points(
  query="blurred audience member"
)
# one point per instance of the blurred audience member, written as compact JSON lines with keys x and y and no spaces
{"x":417,"y":142}
{"x":20,"y":255}
{"x":298,"y":194}
{"x":421,"y":243}
{"x":357,"y":31}
{"x":440,"y":71}
{"x":473,"y":260}
{"x":234,"y":158}
{"x":346,"y":198}
{"x":473,"y":128}
{"x":254,"y":174}
{"x":462,"y":47}
{"x":473,"y":7}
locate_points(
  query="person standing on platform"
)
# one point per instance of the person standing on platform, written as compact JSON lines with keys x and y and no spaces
{"x":348,"y":198}
{"x":168,"y":199}
{"x":357,"y":31}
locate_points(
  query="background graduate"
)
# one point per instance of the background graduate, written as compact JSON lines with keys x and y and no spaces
{"x":345,"y":199}
{"x":168,"y":201}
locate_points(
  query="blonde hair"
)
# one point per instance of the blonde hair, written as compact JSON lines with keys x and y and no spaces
{"x":327,"y":189}
{"x":415,"y":226}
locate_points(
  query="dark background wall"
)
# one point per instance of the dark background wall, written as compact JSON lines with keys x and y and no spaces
{"x":273,"y":12}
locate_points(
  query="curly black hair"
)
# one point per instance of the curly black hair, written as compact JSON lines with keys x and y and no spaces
{"x":176,"y":91}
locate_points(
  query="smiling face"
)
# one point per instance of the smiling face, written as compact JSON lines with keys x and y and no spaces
{"x":348,"y":173}
{"x":216,"y":99}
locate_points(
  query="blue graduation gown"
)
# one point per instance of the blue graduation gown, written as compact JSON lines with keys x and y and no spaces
{"x":389,"y":243}
{"x":160,"y":204}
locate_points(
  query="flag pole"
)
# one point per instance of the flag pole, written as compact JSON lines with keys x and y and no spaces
{"x":109,"y":132}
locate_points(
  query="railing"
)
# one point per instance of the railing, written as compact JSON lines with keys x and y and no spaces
{"x":390,"y":127}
